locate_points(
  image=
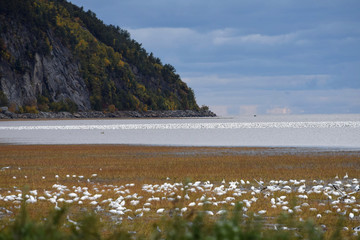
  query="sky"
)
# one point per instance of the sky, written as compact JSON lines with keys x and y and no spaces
{"x":246,"y":57}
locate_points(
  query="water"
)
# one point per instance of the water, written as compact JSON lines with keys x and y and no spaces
{"x":329,"y":131}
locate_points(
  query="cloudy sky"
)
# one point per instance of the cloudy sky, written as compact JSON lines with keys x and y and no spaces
{"x":250,"y":56}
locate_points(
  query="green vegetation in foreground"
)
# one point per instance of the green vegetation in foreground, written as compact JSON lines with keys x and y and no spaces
{"x":117,"y":70}
{"x":193,"y":226}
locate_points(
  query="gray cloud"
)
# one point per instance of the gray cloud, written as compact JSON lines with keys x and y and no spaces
{"x":291,"y":82}
{"x":274,"y":101}
{"x":241,"y":57}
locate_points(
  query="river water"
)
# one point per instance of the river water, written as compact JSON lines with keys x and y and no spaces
{"x":329,"y":131}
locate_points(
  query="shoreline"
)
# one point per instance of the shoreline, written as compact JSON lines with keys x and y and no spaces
{"x":7,"y":115}
{"x":263,"y":150}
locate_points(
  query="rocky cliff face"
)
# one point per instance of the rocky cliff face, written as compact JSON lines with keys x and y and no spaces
{"x":55,"y":75}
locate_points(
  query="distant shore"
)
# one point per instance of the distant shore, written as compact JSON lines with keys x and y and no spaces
{"x":7,"y":115}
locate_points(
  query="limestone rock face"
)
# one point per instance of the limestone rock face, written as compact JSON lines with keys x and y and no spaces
{"x":56,"y":74}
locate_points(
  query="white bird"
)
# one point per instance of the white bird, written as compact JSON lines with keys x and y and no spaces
{"x":134,"y":202}
{"x":71,"y":221}
{"x":262,"y":187}
{"x":160,"y":210}
{"x":285,"y":208}
{"x":343,"y":195}
{"x":140,"y":214}
{"x":302,"y":196}
{"x":120,"y":212}
{"x":4,"y":168}
{"x":73,"y":195}
{"x":209,"y":213}
{"x":341,"y":213}
{"x":351,"y":215}
{"x":33,"y":192}
{"x":31,"y":199}
{"x":221,"y":212}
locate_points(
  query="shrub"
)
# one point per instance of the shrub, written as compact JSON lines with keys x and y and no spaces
{"x":43,"y":103}
{"x":63,"y":106}
{"x":192,"y":226}
{"x":55,"y":227}
{"x":3,"y":99}
{"x":111,"y":108}
{"x":12,"y":107}
{"x":31,"y":109}
{"x":204,"y":108}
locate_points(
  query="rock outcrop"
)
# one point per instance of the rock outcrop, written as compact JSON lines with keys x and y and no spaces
{"x":56,"y":75}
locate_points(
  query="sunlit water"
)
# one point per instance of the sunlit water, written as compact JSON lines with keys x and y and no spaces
{"x":333,"y":131}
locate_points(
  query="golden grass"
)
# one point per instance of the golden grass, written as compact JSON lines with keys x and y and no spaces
{"x":144,"y":164}
{"x":120,"y":164}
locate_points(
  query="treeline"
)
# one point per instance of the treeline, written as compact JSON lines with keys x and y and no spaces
{"x":117,"y":70}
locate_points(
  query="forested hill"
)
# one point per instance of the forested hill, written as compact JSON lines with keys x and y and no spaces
{"x":57,"y":57}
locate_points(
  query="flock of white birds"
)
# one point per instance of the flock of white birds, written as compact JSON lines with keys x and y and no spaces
{"x":318,"y":198}
{"x":192,"y":125}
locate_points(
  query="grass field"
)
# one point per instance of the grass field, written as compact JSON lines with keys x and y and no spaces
{"x":135,"y":186}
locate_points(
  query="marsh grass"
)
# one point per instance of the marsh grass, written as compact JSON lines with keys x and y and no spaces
{"x":37,"y":167}
{"x":141,"y":164}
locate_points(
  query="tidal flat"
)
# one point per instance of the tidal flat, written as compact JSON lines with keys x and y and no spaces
{"x":135,"y":186}
{"x":320,"y":131}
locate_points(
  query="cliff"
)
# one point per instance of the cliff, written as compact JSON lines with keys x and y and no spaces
{"x":56,"y":57}
{"x":55,"y":75}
